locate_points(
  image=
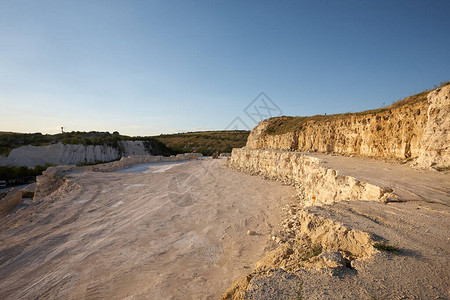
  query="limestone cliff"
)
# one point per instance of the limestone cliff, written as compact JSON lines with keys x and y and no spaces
{"x":435,"y":144}
{"x":416,"y":127}
{"x":61,"y":154}
{"x":317,"y":184}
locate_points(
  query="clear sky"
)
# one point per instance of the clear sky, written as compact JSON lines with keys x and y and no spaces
{"x":151,"y":67}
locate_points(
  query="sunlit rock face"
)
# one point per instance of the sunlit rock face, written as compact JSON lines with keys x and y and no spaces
{"x":435,"y":150}
{"x":415,"y":129}
{"x":317,"y":184}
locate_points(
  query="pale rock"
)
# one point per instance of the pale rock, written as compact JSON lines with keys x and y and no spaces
{"x":60,"y":154}
{"x":435,"y":151}
{"x":415,"y":129}
{"x":319,"y":184}
{"x":10,"y":201}
{"x":331,"y":259}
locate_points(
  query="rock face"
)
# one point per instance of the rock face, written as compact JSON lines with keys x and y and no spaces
{"x":435,"y":150}
{"x":28,"y":191}
{"x":61,"y":154}
{"x":51,"y":180}
{"x":417,"y":127}
{"x":317,"y":184}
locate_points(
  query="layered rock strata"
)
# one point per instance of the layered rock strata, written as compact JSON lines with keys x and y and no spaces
{"x":417,"y":127}
{"x":317,"y":184}
{"x":60,"y":154}
{"x":435,"y":144}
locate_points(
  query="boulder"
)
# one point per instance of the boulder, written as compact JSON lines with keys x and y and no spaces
{"x":10,"y":201}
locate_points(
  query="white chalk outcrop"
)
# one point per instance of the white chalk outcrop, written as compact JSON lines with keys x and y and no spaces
{"x":60,"y":154}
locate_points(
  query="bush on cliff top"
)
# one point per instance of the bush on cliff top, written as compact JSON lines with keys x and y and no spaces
{"x":11,"y":173}
{"x":205,"y":142}
{"x":281,"y":125}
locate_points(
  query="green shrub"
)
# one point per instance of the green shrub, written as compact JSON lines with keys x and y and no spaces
{"x":387,"y":248}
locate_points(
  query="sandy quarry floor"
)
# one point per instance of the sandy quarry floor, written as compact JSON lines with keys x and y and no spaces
{"x":178,"y":231}
{"x":418,"y":227}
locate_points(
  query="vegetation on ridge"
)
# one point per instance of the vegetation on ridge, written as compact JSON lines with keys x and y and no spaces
{"x":11,"y":140}
{"x":387,"y":248}
{"x":281,"y":125}
{"x":23,"y":174}
{"x":205,"y":142}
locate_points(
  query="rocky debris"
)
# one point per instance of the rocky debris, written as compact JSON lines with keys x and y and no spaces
{"x":392,"y":198}
{"x":10,"y":201}
{"x":51,"y":180}
{"x":306,"y":241}
{"x":331,"y":259}
{"x":301,"y":225}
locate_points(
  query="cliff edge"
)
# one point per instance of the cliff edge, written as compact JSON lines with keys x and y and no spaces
{"x":68,"y":154}
{"x":414,"y":129}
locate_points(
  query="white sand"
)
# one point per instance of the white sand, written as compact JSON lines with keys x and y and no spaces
{"x":177,"y":234}
{"x":151,"y":167}
{"x":181,"y":233}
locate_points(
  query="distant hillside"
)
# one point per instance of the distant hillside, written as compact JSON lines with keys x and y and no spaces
{"x":21,"y":161}
{"x":11,"y":140}
{"x":205,"y":142}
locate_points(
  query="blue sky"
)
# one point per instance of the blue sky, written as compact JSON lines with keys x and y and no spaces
{"x":151,"y":67}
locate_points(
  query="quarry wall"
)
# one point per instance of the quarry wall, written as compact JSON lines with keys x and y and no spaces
{"x":415,"y":130}
{"x":69,"y":154}
{"x":318,"y":185}
{"x":435,"y":143}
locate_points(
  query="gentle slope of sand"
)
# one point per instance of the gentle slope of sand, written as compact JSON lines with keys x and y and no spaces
{"x":178,"y":234}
